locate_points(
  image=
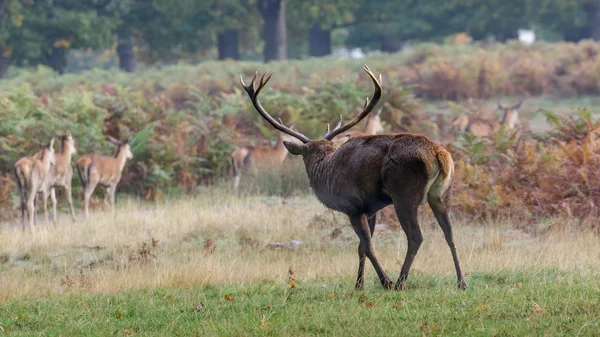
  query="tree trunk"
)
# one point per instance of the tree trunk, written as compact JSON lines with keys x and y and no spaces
{"x":57,"y":59}
{"x":390,"y":44}
{"x":127,"y":60}
{"x":319,"y":41}
{"x":4,"y":62}
{"x":228,"y":44}
{"x":274,"y":29}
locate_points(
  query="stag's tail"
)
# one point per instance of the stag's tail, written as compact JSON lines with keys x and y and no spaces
{"x":20,"y":181}
{"x":446,"y":169}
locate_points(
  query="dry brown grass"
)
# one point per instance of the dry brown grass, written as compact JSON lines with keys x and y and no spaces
{"x":218,"y":239}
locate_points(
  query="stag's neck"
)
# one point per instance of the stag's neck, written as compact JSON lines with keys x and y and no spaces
{"x":319,"y":173}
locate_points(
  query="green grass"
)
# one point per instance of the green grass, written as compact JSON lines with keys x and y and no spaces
{"x":544,"y":302}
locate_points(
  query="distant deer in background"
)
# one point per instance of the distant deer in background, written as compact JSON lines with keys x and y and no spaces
{"x":255,"y":159}
{"x":372,"y":127}
{"x":29,"y":174}
{"x":482,"y":127}
{"x":61,"y":173}
{"x":368,"y":173}
{"x":103,"y":170}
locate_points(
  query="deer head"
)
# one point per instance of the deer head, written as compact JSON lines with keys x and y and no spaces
{"x":46,"y":151}
{"x":510,"y":115}
{"x":123,"y":147}
{"x":66,"y":143}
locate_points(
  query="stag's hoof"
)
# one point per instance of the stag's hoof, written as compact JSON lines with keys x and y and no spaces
{"x":401,"y":285}
{"x":388,"y":285}
{"x":359,"y":286}
{"x":462,"y":284}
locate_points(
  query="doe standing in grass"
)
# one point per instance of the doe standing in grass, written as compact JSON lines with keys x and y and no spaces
{"x":60,"y":174}
{"x":255,"y":159}
{"x":103,"y":170}
{"x":30,"y":174}
{"x":368,"y":173}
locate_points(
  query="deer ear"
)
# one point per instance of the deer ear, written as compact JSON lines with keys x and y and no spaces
{"x":293,"y":148}
{"x":518,"y":105}
{"x":500,"y":106}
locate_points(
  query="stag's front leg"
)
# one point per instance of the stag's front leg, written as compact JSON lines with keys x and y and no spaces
{"x":362,"y":229}
{"x":360,"y":281}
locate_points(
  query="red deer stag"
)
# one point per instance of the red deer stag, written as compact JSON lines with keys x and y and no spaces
{"x":368,"y":173}
{"x":61,"y":173}
{"x":103,"y":170}
{"x":29,"y":174}
{"x":256,"y":159}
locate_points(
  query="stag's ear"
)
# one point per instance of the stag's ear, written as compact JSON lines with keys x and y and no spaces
{"x":500,"y":106}
{"x":293,"y":148}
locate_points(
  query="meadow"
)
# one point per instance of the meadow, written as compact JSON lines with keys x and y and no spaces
{"x":182,"y":256}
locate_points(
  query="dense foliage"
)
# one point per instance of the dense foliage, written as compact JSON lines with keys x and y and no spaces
{"x":186,"y":120}
{"x":44,"y":32}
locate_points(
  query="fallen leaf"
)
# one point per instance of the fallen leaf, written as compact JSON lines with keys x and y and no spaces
{"x":229,"y":298}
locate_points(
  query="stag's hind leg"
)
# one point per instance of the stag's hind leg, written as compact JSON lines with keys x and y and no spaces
{"x":407,"y":214}
{"x":441,"y":214}
{"x":360,"y":224}
{"x":360,"y":281}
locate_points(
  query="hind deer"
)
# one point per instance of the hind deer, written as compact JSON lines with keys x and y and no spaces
{"x":29,"y":174}
{"x":482,"y":127}
{"x":255,"y":159}
{"x":104,"y":170}
{"x":368,"y":173}
{"x":60,"y":174}
{"x":372,"y":127}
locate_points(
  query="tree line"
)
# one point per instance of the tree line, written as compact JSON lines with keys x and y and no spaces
{"x":36,"y":32}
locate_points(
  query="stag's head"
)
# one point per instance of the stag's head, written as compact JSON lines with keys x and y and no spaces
{"x":510,"y":115}
{"x":67,"y":143}
{"x":307,"y":148}
{"x":123,"y":147}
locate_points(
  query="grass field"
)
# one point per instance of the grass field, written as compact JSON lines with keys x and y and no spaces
{"x":207,"y":266}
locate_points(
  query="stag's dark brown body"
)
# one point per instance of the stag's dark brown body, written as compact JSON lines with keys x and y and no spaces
{"x":368,"y":173}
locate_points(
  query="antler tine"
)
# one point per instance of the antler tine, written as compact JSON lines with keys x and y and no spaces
{"x":253,"y":94}
{"x":368,"y":107}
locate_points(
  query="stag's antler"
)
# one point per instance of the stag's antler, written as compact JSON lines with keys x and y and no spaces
{"x":253,"y":93}
{"x":369,"y":105}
